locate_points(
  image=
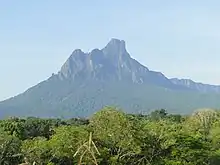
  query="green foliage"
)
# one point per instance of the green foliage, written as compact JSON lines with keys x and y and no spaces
{"x":87,"y":152}
{"x":36,"y":150}
{"x":158,"y":114}
{"x":66,"y":141}
{"x":9,"y":149}
{"x":112,"y":137}
{"x":114,"y":132}
{"x":191,"y":150}
{"x":55,"y":98}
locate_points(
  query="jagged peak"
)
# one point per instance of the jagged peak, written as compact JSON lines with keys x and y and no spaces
{"x":116,"y":45}
{"x":117,"y":41}
{"x":77,"y":51}
{"x":77,"y":54}
{"x":95,"y":50}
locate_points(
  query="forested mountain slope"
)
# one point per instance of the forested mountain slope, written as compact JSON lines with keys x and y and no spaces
{"x":89,"y":81}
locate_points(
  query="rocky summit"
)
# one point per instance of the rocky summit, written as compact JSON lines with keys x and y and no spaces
{"x":112,"y":63}
{"x":90,"y":80}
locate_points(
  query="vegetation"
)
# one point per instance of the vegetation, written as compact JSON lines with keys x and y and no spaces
{"x":67,"y":99}
{"x":111,"y":137}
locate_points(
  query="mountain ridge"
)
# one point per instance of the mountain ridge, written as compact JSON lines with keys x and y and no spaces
{"x":110,"y":76}
{"x":120,"y":55}
{"x":113,"y":58}
{"x":202,"y":87}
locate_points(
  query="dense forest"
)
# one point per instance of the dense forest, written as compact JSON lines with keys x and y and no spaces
{"x":112,"y":137}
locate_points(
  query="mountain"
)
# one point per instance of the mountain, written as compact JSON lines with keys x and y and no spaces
{"x":88,"y":81}
{"x":200,"y":87}
{"x":112,"y":63}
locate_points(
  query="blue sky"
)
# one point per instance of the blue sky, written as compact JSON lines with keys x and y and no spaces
{"x":179,"y":38}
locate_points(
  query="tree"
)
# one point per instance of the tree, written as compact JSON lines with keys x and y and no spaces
{"x":114,"y":134}
{"x":158,"y":114}
{"x":65,"y":142}
{"x":9,"y":149}
{"x":201,"y":121}
{"x":190,"y":150}
{"x":35,"y":127}
{"x":14,"y":126}
{"x":89,"y":151}
{"x":37,"y":150}
{"x":156,"y":139}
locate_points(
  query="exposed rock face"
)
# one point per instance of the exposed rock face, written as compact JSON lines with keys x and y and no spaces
{"x":112,"y":63}
{"x":89,"y":81}
{"x":196,"y":86}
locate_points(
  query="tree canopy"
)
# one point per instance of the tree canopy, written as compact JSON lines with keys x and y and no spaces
{"x":111,"y":137}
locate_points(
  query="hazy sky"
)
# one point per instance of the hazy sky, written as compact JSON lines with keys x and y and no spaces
{"x":180,"y":38}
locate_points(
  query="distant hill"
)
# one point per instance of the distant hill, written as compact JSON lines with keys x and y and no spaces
{"x":200,"y":87}
{"x":89,"y":81}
